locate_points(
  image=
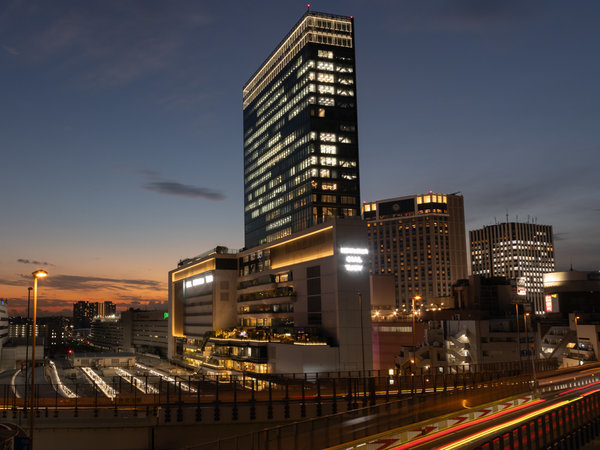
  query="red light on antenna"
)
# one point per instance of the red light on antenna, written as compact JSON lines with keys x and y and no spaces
{"x":308,"y":5}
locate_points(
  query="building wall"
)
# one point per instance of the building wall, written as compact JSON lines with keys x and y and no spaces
{"x":420,"y":240}
{"x":308,"y":283}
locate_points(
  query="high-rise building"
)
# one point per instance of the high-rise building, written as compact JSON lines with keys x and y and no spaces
{"x":420,"y":240}
{"x":300,"y":132}
{"x":85,"y":312}
{"x":522,"y":252}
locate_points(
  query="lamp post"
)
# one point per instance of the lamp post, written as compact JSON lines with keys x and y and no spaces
{"x":518,"y":333}
{"x":362,"y":339}
{"x":415,"y":298}
{"x":36,"y":275}
{"x":525,"y":316}
{"x":414,"y":344}
{"x":27,"y":328}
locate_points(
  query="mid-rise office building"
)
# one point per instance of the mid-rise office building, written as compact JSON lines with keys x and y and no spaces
{"x":420,"y":240}
{"x":145,"y":331}
{"x":300,"y":132}
{"x":522,"y":252}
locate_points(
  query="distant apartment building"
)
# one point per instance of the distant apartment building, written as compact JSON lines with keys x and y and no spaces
{"x":522,"y":252}
{"x":420,"y":240}
{"x":293,"y":305}
{"x":4,"y":327}
{"x":85,"y":312}
{"x":106,"y":334}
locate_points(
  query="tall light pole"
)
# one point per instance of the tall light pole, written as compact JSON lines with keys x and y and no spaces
{"x":362,"y":339}
{"x":525,"y":316}
{"x":36,"y":275}
{"x":518,"y":333}
{"x":414,"y":313}
{"x":27,"y":328}
{"x":415,"y":298}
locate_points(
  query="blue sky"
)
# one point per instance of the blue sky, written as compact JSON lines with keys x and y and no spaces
{"x":121,"y":126}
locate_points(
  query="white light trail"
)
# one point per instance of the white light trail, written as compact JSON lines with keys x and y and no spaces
{"x":137,"y":382}
{"x":171,"y":380}
{"x":99,"y":382}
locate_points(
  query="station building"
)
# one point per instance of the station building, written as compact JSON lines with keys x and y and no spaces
{"x":298,"y":304}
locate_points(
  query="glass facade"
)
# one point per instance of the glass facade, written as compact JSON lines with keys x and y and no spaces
{"x":300,"y":132}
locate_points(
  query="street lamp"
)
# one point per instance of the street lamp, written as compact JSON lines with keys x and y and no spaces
{"x":36,"y":275}
{"x":414,"y":313}
{"x":415,"y":298}
{"x":362,"y":333}
{"x":27,"y":328}
{"x":525,"y":316}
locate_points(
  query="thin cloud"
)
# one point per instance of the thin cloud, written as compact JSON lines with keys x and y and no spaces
{"x":147,"y":173}
{"x":103,"y":44}
{"x":10,"y":50}
{"x":458,"y":15}
{"x":84,"y":283}
{"x":183,"y":190}
{"x":33,"y":262}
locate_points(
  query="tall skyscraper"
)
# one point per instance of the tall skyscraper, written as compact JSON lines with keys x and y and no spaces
{"x":300,"y":131}
{"x":522,"y":252}
{"x":420,"y":240}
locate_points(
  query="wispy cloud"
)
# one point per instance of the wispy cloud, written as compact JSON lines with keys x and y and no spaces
{"x":33,"y":262}
{"x":87,"y":283}
{"x":183,"y":190}
{"x":458,"y":15}
{"x":10,"y":50}
{"x":102,"y":43}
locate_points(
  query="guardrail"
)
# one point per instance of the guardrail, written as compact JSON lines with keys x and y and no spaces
{"x":569,"y":426}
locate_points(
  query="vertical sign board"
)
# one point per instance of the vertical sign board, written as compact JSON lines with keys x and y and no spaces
{"x":521,"y":289}
{"x":551,"y":302}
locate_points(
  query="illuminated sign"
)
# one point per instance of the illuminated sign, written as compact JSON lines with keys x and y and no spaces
{"x":521,"y":290}
{"x":353,"y":259}
{"x":551,"y":302}
{"x":198,"y":281}
{"x":548,"y":303}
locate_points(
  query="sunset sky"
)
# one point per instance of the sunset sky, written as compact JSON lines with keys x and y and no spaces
{"x":121,"y":127}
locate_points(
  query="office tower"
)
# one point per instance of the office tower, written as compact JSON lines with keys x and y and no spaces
{"x":522,"y":252}
{"x":300,"y":132}
{"x":420,"y":240}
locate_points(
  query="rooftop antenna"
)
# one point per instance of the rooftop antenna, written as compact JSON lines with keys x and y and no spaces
{"x":507,"y":216}
{"x":308,"y":6}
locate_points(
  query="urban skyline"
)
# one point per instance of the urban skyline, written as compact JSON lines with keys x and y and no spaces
{"x":118,"y":132}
